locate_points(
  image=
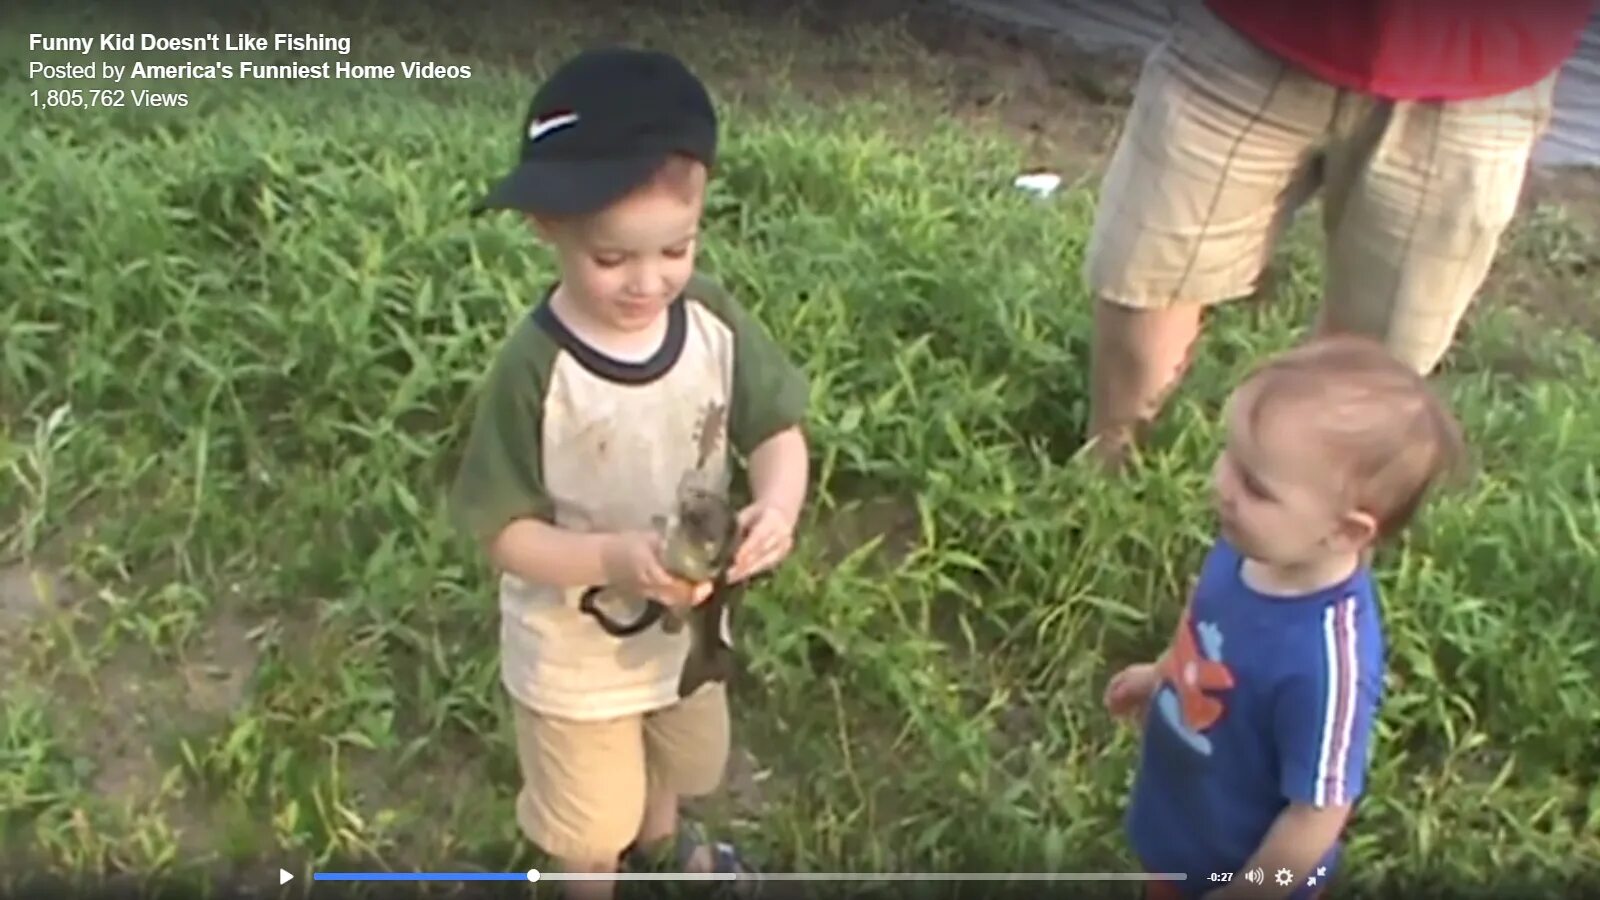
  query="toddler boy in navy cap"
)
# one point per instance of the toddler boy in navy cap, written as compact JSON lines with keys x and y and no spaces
{"x":631,"y":376}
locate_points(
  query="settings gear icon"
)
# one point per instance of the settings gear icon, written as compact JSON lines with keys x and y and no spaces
{"x":1283,"y":877}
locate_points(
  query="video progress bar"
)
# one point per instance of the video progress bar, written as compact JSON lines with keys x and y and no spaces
{"x":536,"y":875}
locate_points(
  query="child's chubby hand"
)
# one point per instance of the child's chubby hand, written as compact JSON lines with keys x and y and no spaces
{"x":633,"y":563}
{"x":1129,"y":692}
{"x":767,"y":537}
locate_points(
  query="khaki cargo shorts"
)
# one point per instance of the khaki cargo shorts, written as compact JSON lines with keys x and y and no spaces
{"x":584,"y":783}
{"x":1225,"y":142}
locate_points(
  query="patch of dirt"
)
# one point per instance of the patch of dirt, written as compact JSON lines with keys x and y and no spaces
{"x":1065,"y":105}
{"x":1575,"y":190}
{"x":1553,"y":269}
{"x":114,"y":721}
{"x":30,"y":593}
{"x":216,"y":677}
{"x":892,"y":520}
{"x":456,"y":778}
{"x":127,"y":713}
{"x":26,"y":592}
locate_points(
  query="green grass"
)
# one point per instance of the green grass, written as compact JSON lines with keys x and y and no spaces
{"x":241,"y":345}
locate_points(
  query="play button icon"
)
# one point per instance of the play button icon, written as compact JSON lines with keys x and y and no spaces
{"x":283,"y":877}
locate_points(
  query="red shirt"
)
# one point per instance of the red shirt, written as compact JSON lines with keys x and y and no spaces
{"x":1415,"y":49}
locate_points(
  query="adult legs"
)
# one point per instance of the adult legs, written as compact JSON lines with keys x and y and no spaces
{"x":1418,"y":196}
{"x":1138,"y":357}
{"x":1219,"y":149}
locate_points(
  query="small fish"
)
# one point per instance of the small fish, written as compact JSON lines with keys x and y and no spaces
{"x":699,"y":546}
{"x":699,"y":543}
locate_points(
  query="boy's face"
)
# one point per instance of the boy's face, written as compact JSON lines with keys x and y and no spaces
{"x":1276,"y":489}
{"x":625,"y":264}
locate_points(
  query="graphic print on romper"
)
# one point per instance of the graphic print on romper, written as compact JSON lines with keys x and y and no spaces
{"x":1193,"y":670}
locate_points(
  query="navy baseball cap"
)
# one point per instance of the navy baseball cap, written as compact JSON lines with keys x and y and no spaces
{"x":600,"y":126}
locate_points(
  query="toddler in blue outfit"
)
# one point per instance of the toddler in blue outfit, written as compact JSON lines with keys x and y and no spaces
{"x":1258,"y":718}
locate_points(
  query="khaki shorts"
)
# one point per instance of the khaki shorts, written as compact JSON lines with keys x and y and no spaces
{"x":1225,"y":142}
{"x":584,"y":783}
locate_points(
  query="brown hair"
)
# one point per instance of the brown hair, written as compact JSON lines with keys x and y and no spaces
{"x":676,"y":175}
{"x":1387,"y":435}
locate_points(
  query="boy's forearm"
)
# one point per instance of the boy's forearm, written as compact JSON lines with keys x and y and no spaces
{"x":1297,"y":841}
{"x":539,"y":552}
{"x":779,"y":470}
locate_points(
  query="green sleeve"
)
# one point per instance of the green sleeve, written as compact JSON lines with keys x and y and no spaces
{"x":770,"y":392}
{"x":500,"y":477}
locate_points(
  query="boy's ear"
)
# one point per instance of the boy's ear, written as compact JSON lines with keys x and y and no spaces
{"x":1357,"y":528}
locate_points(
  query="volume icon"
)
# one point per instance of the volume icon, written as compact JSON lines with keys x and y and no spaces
{"x":1255,"y":876}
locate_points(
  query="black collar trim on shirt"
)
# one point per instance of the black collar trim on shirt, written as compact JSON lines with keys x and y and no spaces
{"x":609,"y":367}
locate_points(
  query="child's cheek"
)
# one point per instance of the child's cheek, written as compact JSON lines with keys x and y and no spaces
{"x":682,"y":270}
{"x":601,"y":283}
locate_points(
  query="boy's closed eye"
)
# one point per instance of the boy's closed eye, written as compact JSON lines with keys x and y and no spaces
{"x":1254,"y":487}
{"x":680,"y":248}
{"x":612,"y":259}
{"x":1250,"y":483}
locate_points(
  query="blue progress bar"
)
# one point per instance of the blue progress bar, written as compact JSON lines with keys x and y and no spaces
{"x":419,"y":876}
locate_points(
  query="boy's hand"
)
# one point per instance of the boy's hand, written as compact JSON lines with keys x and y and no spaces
{"x":1128,"y":695}
{"x":633,"y":563}
{"x":767,"y":536}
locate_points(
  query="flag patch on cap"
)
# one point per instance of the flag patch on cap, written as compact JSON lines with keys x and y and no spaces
{"x":538,"y":128}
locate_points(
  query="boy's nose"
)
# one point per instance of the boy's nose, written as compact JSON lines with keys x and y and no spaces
{"x":646,"y":284}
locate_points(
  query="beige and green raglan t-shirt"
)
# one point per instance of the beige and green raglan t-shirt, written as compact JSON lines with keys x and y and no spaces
{"x":586,"y":442}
